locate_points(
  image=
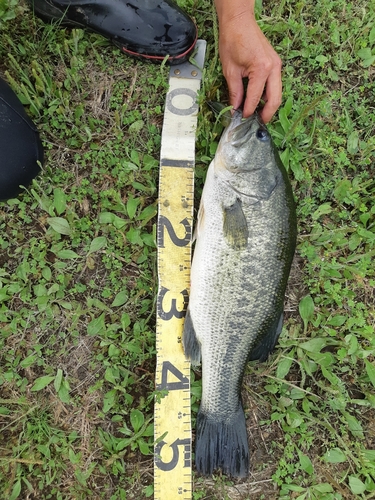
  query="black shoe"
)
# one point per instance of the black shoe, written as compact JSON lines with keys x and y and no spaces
{"x":148,"y":29}
{"x":20,"y":146}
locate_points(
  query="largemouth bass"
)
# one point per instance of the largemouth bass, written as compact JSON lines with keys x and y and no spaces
{"x":245,"y":241}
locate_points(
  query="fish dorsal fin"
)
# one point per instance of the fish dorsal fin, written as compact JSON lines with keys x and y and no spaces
{"x":268,"y":342}
{"x":235,"y":227}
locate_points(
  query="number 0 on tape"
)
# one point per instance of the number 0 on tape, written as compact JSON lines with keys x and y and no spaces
{"x":176,"y":202}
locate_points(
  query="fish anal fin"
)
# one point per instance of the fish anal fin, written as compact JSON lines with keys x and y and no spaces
{"x":235,"y":227}
{"x":192,"y":347}
{"x":268,"y":342}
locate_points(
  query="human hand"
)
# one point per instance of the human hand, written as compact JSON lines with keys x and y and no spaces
{"x":246,"y":52}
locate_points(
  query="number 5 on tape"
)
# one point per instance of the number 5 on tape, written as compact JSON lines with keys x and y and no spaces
{"x":176,"y":202}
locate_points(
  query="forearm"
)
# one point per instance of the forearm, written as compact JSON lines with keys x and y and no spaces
{"x":230,"y":10}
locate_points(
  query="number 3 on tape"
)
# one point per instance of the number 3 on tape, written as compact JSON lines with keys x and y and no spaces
{"x":172,"y":462}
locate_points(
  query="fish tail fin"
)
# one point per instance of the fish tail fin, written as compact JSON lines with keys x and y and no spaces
{"x":192,"y":347}
{"x":222,"y":444}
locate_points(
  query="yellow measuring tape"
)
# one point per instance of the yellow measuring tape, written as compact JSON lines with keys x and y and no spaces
{"x":172,"y":464}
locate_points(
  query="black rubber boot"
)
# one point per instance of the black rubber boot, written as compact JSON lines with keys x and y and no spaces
{"x":20,"y":145}
{"x":147,"y":29}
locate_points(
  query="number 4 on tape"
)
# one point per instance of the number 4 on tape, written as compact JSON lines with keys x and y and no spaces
{"x":176,"y":202}
{"x":181,"y":383}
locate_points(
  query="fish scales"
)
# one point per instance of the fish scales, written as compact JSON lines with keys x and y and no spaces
{"x":246,"y":235}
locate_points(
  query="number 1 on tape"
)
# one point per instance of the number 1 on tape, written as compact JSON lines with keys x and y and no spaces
{"x":176,"y":203}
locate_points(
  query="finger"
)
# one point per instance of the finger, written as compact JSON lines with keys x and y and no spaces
{"x":254,"y":92}
{"x":236,"y":90}
{"x":273,"y":96}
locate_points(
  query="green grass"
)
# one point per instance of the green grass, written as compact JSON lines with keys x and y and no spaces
{"x":78,"y":265}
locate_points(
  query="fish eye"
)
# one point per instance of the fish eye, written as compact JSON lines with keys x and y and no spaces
{"x":262,"y":134}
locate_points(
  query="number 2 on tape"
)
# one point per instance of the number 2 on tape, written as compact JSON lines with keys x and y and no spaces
{"x":164,"y":222}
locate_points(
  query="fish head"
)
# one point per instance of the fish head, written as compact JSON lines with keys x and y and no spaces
{"x":246,"y":158}
{"x":245,"y":143}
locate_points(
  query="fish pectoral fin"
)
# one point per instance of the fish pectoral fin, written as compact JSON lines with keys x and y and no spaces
{"x":235,"y":227}
{"x":200,"y":222}
{"x":191,"y":344}
{"x":268,"y":342}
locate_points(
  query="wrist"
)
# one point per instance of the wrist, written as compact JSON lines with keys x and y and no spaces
{"x":231,"y":10}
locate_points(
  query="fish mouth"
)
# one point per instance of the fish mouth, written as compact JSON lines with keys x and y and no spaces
{"x":242,"y":130}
